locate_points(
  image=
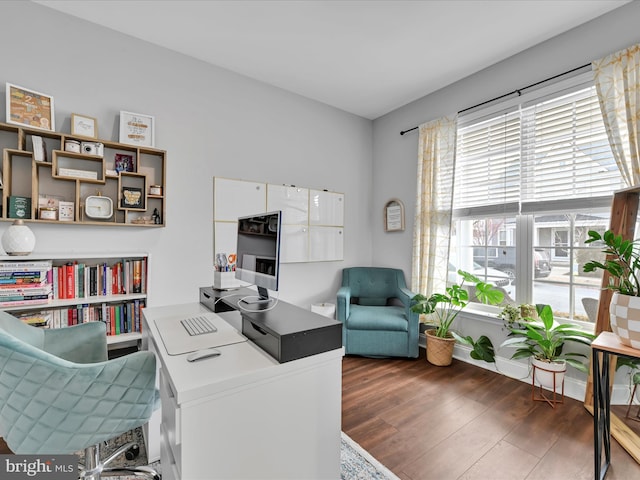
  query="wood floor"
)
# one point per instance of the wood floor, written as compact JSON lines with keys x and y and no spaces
{"x":464,"y":422}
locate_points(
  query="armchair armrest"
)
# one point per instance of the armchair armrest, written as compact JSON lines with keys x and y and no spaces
{"x":406,"y":296}
{"x":344,"y":299}
{"x":83,"y":343}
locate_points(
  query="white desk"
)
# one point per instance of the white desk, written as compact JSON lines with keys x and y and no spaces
{"x":243,"y":415}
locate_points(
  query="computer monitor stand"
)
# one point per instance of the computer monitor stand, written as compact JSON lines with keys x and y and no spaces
{"x":261,"y":299}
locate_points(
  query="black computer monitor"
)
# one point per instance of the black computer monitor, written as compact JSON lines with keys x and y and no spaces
{"x":258,"y":253}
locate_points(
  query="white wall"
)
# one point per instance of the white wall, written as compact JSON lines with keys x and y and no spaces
{"x":395,"y":157}
{"x":212,"y":122}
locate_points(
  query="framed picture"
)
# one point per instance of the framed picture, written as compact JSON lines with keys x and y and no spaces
{"x":132,"y":197}
{"x":66,"y":211}
{"x":84,"y":126}
{"x":137,"y":129}
{"x":124,"y":163}
{"x":30,"y":108}
{"x":394,"y":216}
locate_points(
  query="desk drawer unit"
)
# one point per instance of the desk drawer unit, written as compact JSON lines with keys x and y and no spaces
{"x":169,"y":467}
{"x":171,"y":425}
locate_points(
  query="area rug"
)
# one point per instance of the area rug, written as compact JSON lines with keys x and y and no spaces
{"x":355,"y":462}
{"x":358,"y":464}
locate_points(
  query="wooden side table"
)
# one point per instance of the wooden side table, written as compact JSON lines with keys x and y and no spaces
{"x":605,"y":345}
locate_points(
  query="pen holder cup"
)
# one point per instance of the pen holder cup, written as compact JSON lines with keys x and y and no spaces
{"x":223,"y":280}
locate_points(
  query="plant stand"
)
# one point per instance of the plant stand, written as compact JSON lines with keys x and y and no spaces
{"x":541,"y":393}
{"x":637,"y":415}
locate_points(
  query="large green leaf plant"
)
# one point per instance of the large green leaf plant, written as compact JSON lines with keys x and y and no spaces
{"x":445,"y":307}
{"x":545,"y":339}
{"x":622,"y":262}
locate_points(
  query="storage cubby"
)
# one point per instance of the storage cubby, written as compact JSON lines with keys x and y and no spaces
{"x":51,"y":174}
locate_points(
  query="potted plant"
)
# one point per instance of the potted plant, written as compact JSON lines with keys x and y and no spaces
{"x":543,"y":340}
{"x":622,"y":264}
{"x":443,"y":308}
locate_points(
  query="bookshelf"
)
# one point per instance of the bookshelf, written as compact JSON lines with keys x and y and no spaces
{"x":84,"y":287}
{"x":37,"y":165}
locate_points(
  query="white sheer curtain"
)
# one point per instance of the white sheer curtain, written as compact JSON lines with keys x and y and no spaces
{"x":617,"y":79}
{"x":434,"y":198}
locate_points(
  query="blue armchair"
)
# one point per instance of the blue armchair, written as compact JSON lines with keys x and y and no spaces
{"x":60,"y":394}
{"x":374,"y":306}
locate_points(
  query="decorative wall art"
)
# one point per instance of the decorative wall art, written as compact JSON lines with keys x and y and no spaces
{"x":29,"y":108}
{"x":124,"y":163}
{"x":137,"y":129}
{"x":84,"y":126}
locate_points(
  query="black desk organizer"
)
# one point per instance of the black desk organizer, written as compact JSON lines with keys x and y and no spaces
{"x":286,"y":332}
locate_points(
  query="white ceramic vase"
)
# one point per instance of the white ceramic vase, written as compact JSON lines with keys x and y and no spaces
{"x":624,"y":315}
{"x":18,"y":239}
{"x":545,"y":372}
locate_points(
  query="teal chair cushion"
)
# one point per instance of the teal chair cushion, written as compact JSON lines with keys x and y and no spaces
{"x":377,"y":318}
{"x":52,"y":405}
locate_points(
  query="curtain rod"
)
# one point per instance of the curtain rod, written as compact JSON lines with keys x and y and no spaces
{"x":518,"y":91}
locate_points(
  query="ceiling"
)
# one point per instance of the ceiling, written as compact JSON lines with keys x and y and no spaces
{"x":364,"y":57}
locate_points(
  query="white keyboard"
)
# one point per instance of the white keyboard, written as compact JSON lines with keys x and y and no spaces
{"x":198,"y":325}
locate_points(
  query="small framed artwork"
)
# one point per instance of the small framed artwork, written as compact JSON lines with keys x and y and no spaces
{"x":124,"y":163}
{"x":29,"y":108}
{"x":137,"y":129}
{"x":66,"y":211}
{"x":394,"y":216}
{"x":132,"y":197}
{"x":84,"y":126}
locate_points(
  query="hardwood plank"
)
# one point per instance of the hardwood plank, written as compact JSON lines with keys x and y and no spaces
{"x":464,"y":422}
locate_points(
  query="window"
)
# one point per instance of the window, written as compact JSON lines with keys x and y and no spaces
{"x":532,"y":178}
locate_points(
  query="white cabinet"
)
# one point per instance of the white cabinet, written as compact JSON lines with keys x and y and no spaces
{"x":312,"y":220}
{"x":243,"y":415}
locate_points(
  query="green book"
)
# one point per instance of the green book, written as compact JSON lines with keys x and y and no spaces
{"x":19,"y":207}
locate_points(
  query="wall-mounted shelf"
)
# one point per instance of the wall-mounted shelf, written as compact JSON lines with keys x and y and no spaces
{"x":55,"y":175}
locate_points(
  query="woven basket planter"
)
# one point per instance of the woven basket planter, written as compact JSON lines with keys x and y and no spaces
{"x":439,"y":350}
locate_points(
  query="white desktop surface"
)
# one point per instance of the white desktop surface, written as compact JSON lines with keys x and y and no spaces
{"x":243,"y":414}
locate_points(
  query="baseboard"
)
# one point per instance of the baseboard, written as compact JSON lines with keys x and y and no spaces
{"x":573,"y":387}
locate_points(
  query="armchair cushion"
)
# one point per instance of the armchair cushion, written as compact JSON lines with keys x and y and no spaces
{"x":365,"y":317}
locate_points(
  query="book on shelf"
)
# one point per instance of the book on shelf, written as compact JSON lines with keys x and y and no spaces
{"x":81,"y":280}
{"x":22,"y":266}
{"x":36,"y":319}
{"x":19,"y":303}
{"x":119,"y":318}
{"x":39,"y":148}
{"x":35,"y":276}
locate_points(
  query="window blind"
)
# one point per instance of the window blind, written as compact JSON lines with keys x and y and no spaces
{"x":547,"y":155}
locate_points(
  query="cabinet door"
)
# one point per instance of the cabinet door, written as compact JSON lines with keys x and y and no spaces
{"x":326,"y":208}
{"x":294,"y":244}
{"x":237,"y":198}
{"x":293,"y":201}
{"x":326,"y":243}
